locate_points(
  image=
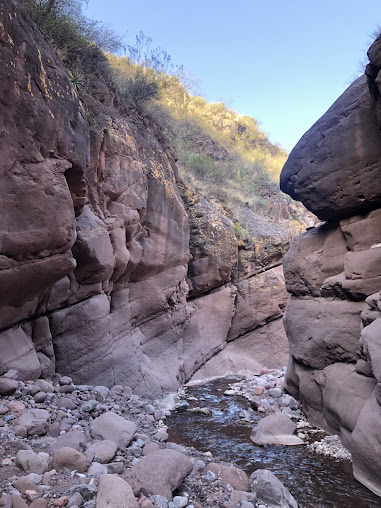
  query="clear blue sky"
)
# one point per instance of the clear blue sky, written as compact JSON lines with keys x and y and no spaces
{"x":281,"y":61}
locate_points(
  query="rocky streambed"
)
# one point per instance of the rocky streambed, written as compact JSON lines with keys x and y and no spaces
{"x":220,"y":419}
{"x":85,"y":446}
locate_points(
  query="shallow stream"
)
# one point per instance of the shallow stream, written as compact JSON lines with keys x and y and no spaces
{"x":314,"y":480}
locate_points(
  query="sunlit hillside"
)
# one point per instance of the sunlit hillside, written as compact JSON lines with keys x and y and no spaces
{"x":223,"y":154}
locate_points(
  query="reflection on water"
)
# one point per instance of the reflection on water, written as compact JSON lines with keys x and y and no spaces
{"x":315,"y":481}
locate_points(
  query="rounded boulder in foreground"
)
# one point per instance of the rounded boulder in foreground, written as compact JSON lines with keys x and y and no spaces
{"x":162,"y":472}
{"x":114,"y":492}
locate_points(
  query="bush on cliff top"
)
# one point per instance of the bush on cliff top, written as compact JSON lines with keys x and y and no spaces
{"x":222,"y":153}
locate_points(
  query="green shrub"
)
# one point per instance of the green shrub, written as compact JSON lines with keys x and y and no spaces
{"x":239,"y":231}
{"x":138,"y":89}
{"x":79,"y":42}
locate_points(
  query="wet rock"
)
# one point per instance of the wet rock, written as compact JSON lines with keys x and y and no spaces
{"x":270,"y":490}
{"x":31,"y":462}
{"x":68,"y":458}
{"x":234,"y":476}
{"x":114,"y":492}
{"x":275,"y":429}
{"x":110,"y":426}
{"x":162,"y":472}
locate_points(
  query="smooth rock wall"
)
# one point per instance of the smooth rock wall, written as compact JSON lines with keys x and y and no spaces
{"x":333,"y":273}
{"x":108,"y":273}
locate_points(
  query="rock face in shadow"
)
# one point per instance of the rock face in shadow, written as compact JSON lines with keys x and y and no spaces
{"x":334,"y":168}
{"x":110,"y":272}
{"x":333,"y":273}
{"x":37,"y":152}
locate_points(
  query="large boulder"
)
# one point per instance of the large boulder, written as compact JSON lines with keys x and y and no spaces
{"x":114,"y":492}
{"x":323,"y":331}
{"x":275,"y":429}
{"x":234,"y":476}
{"x":313,"y":257}
{"x":333,"y":272}
{"x":270,"y":490}
{"x":333,"y":168}
{"x":113,"y":427}
{"x":162,"y":472}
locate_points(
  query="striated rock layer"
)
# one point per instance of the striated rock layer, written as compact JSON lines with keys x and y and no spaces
{"x":333,"y":272}
{"x":108,"y":272}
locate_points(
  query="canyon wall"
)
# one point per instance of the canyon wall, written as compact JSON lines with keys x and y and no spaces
{"x":333,"y":272}
{"x":110,"y":270}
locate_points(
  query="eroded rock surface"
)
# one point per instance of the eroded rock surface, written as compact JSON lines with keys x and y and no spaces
{"x":110,"y":271}
{"x":333,"y":273}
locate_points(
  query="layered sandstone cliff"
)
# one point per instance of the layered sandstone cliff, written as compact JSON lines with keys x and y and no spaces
{"x":333,"y":272}
{"x":109,"y":271}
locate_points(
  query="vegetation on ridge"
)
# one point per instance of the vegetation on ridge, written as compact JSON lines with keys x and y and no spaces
{"x":221,"y":154}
